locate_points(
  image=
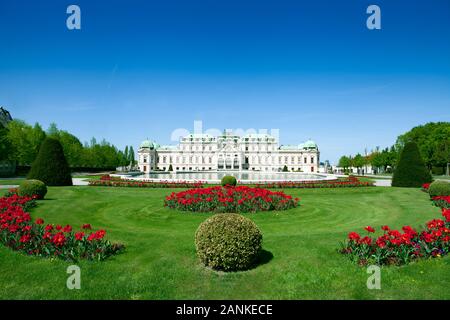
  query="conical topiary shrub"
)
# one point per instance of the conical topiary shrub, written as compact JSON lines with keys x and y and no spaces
{"x":50,"y":165}
{"x":411,"y":170}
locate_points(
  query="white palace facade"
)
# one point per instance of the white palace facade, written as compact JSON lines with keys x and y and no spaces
{"x":203,"y":152}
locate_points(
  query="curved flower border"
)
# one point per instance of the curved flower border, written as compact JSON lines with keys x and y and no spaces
{"x":19,"y":232}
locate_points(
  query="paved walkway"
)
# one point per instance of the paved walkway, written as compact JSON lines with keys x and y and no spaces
{"x":75,"y":181}
{"x":383,"y":182}
{"x":79,"y":182}
{"x":8,"y":186}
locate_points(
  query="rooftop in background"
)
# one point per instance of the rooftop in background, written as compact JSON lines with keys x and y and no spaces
{"x":5,"y":117}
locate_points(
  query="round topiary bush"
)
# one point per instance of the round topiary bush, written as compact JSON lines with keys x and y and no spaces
{"x":228,"y":242}
{"x":229,"y":180}
{"x":50,"y":165}
{"x":411,"y":170}
{"x":439,"y":188}
{"x":31,"y":188}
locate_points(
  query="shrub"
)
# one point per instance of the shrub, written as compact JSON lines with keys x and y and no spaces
{"x":30,"y":188}
{"x":439,"y":188}
{"x":170,"y":167}
{"x":411,"y":170}
{"x":285,"y":169}
{"x":50,"y":165}
{"x":229,"y":180}
{"x":228,"y":242}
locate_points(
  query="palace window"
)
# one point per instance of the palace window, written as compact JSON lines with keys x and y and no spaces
{"x":312,"y":159}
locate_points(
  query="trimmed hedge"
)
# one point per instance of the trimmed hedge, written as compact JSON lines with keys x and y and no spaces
{"x":50,"y":165}
{"x":228,"y":242}
{"x":229,"y":180}
{"x":439,"y":188}
{"x":30,"y":188}
{"x":411,"y":170}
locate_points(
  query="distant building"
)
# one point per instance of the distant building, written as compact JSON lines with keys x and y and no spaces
{"x":5,"y":117}
{"x":253,"y":152}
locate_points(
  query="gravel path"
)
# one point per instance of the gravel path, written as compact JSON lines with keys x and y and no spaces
{"x":8,"y":186}
{"x":383,"y":182}
{"x":79,"y":182}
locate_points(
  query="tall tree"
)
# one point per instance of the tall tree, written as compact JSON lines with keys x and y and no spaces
{"x":131,"y":155}
{"x":6,"y":147}
{"x":345,"y":162}
{"x":433,"y":141}
{"x":26,"y":141}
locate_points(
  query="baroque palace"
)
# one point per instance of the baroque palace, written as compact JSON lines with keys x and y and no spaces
{"x":203,"y":152}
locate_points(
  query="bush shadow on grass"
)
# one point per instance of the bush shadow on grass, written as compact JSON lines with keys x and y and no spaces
{"x":263,"y":258}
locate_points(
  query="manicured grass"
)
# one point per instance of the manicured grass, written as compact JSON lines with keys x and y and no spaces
{"x":12,"y":181}
{"x":160,"y":260}
{"x":87,"y":177}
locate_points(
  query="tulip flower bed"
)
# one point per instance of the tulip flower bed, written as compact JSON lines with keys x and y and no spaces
{"x":351,"y":182}
{"x":425,"y":187}
{"x":19,"y":232}
{"x":442,"y":201}
{"x":240,"y":199}
{"x":395,"y":247}
{"x":117,"y":182}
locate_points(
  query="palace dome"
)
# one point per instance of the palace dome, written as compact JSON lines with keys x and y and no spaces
{"x":310,"y":145}
{"x":147,"y":144}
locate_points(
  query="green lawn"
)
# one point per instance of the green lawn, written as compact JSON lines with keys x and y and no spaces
{"x":160,"y":260}
{"x":12,"y":181}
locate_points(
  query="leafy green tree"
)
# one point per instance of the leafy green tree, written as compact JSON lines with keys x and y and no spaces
{"x":358,"y":161}
{"x":345,"y":162}
{"x":131,"y":156}
{"x":433,"y":141}
{"x":126,"y":154}
{"x":411,"y":170}
{"x":26,"y":141}
{"x":6,"y":147}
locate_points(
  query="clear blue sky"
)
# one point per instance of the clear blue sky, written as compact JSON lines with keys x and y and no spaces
{"x":141,"y":69}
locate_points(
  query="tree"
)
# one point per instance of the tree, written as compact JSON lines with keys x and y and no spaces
{"x":126,"y":155}
{"x":411,"y":170}
{"x":131,"y":156}
{"x":358,"y":161}
{"x":285,"y":168}
{"x":433,"y":141}
{"x":345,"y":162}
{"x":6,"y":147}
{"x":26,"y":141}
{"x":170,"y":167}
{"x":51,"y":165}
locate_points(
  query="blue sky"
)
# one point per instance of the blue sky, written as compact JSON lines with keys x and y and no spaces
{"x":312,"y":69}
